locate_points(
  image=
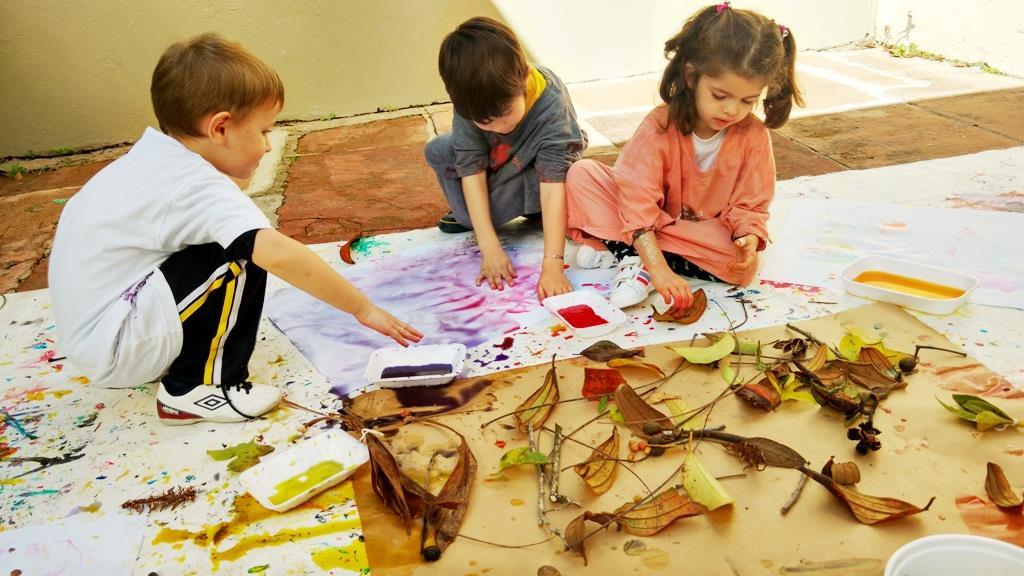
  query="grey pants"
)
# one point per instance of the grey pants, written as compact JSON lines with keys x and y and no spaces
{"x":513,"y":189}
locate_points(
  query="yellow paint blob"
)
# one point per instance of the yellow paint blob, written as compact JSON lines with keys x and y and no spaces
{"x":907,"y":285}
{"x":300,"y":483}
{"x":351,"y":557}
{"x":247,"y":511}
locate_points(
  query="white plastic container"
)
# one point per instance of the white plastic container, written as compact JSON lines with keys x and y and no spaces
{"x":382,"y":359}
{"x":914,"y":271}
{"x":282,"y":481}
{"x":612,"y":316}
{"x":956,"y":555}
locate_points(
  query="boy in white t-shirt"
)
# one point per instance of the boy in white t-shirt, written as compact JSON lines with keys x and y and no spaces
{"x":159,"y":264}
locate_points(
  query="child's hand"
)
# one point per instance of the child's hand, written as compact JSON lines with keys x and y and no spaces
{"x":380,"y":320}
{"x":552,"y":280}
{"x":672,"y":288}
{"x":496,"y":269}
{"x":747,"y":257}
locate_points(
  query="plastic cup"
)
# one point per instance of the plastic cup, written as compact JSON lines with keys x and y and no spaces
{"x":956,"y":555}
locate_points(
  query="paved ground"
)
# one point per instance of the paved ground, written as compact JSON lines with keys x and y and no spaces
{"x":331,"y":180}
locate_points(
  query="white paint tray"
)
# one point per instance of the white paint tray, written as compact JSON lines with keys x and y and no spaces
{"x":302,"y":471}
{"x":613,"y":316}
{"x":912,"y":270}
{"x":384,"y":359}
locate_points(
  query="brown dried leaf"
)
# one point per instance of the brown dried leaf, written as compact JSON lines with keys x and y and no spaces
{"x":455,"y":496}
{"x":637,"y":412}
{"x":599,"y":471}
{"x":345,"y":252}
{"x":867,"y":509}
{"x":171,"y":498}
{"x":606,"y":350}
{"x":630,"y":362}
{"x":868,"y":376}
{"x":687,"y":315}
{"x":536,"y":409}
{"x":880,"y":361}
{"x":843,"y":473}
{"x":760,"y":396}
{"x":655,"y":515}
{"x":574,"y":534}
{"x":397,"y":491}
{"x":818,"y":361}
{"x":762,"y":452}
{"x":999,"y":489}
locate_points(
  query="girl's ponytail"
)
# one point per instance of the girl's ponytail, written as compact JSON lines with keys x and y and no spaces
{"x":779,"y":103}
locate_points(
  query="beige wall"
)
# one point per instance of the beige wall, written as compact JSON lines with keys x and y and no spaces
{"x":76,"y":74}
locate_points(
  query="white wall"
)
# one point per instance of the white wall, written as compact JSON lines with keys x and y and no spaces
{"x":990,"y":31}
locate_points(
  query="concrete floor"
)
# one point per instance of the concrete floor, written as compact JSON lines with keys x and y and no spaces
{"x":330,"y":180}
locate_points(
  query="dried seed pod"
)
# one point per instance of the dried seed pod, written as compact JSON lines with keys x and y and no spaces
{"x":845,"y":473}
{"x":652,"y":428}
{"x":908,"y":364}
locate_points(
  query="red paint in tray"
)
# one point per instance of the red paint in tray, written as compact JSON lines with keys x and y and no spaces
{"x":581,"y":316}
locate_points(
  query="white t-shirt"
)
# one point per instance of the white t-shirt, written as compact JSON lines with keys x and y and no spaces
{"x":706,"y":150}
{"x":117,"y":322}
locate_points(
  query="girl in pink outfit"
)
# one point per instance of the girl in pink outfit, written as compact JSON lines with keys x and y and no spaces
{"x":690,"y":192}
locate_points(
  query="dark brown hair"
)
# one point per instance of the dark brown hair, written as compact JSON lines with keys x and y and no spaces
{"x":716,"y":40}
{"x":483,"y":68}
{"x":205,"y":74}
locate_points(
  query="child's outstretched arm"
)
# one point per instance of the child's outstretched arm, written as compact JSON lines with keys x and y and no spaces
{"x":296,"y":264}
{"x":495,"y":267}
{"x":552,"y":269}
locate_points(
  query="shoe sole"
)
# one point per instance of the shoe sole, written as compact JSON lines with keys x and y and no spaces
{"x":174,"y":417}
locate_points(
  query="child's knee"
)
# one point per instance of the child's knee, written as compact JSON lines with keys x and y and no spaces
{"x":440,"y":151}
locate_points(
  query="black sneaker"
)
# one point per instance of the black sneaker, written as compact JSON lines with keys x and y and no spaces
{"x":449,"y":225}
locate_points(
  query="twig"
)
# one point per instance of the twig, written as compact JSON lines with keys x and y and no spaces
{"x":556,"y":454}
{"x":172,"y":498}
{"x":795,"y":495}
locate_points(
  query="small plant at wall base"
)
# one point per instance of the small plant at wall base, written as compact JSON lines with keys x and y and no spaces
{"x":62,"y":151}
{"x":913,"y":51}
{"x":14,"y":170}
{"x":329,"y":116}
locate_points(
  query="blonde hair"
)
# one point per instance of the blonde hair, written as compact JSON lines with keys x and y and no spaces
{"x":208,"y":73}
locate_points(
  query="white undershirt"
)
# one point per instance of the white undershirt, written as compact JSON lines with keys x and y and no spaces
{"x":706,"y":150}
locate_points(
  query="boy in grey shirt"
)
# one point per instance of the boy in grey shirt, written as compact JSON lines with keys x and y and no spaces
{"x":513,"y":138}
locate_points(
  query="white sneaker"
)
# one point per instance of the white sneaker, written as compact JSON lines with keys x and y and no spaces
{"x":224,"y":403}
{"x":587,"y":257}
{"x":632,"y":283}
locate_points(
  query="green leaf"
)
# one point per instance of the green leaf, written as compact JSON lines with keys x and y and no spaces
{"x":790,"y":385}
{"x":602,"y":404}
{"x":702,"y":487}
{"x":959,"y":412}
{"x":616,"y":416}
{"x":522,"y":455}
{"x":243,"y":456}
{"x":977,"y":405}
{"x":707,"y":354}
{"x":987,"y":420}
{"x":680,"y":411}
{"x":727,"y":371}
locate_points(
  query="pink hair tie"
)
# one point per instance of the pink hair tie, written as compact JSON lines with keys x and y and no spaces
{"x":784,"y":31}
{"x":723,"y":6}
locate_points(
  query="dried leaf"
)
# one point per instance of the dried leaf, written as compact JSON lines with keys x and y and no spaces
{"x":454,"y":496}
{"x":688,"y":315}
{"x":630,"y":362}
{"x":702,"y":487}
{"x":760,"y":396}
{"x":999,"y":490}
{"x":396,"y":490}
{"x":520,"y":456}
{"x":795,"y":347}
{"x":243,"y":456}
{"x":599,"y":471}
{"x":655,"y":515}
{"x":866,"y":375}
{"x":762,"y":452}
{"x":598,"y":382}
{"x":707,"y":354}
{"x":645,"y":519}
{"x":171,"y":498}
{"x":606,"y":350}
{"x":818,"y":361}
{"x":867,"y":509}
{"x":536,"y":409}
{"x":637,"y":412}
{"x":876,"y":358}
{"x":574,"y":533}
{"x":345,"y":252}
